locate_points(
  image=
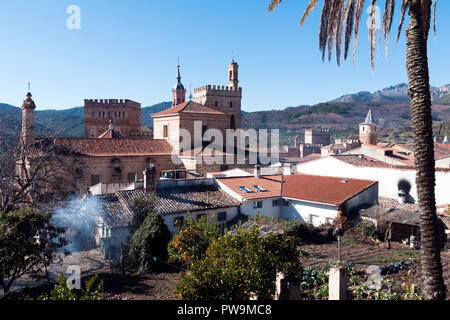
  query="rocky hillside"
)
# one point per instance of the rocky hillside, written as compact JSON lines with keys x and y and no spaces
{"x":390,"y":107}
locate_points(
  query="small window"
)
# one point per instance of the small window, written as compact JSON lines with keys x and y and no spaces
{"x":259,"y":188}
{"x":95,"y":179}
{"x":117,"y":171}
{"x":115,"y":114}
{"x":178,"y":222}
{"x":109,"y":114}
{"x":276,"y":203}
{"x":257,"y":204}
{"x":165,"y":131}
{"x":215,"y":103}
{"x":92,"y":114}
{"x":245,"y":189}
{"x":222,"y":217}
{"x":313,"y":219}
{"x":231,"y":104}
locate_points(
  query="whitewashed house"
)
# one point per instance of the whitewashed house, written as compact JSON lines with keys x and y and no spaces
{"x":174,"y":200}
{"x":309,"y":198}
{"x":364,"y":167}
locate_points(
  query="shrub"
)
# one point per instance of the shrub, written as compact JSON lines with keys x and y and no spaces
{"x":308,"y":234}
{"x":194,"y":238}
{"x":369,"y":230}
{"x":314,"y":279}
{"x":62,"y":292}
{"x":236,"y":265}
{"x":148,"y":242}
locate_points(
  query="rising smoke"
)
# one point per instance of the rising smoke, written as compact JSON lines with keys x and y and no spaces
{"x":80,"y":217}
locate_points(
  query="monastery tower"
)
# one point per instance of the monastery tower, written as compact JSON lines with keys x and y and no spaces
{"x":368,"y":130}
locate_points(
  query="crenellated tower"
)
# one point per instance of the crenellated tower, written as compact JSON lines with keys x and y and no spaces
{"x":226,"y":99}
{"x":28,"y":108}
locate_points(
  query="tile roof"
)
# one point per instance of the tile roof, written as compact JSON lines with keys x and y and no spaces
{"x":188,"y":107}
{"x":115,"y":147}
{"x":270,"y":183}
{"x":322,"y":189}
{"x":113,"y":212}
{"x":361,"y":161}
{"x":393,"y":214}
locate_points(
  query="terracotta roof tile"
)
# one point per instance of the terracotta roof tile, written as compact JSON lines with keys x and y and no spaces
{"x":270,"y":183}
{"x":188,"y":107}
{"x":322,"y":189}
{"x":115,"y":147}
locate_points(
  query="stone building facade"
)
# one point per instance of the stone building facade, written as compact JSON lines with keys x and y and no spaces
{"x":317,"y":136}
{"x":125,"y":114}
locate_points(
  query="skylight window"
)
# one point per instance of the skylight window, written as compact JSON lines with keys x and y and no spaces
{"x":246,"y":190}
{"x":259,"y":189}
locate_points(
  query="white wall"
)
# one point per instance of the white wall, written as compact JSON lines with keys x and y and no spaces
{"x":170,"y":218}
{"x":301,"y":210}
{"x":387,"y":177}
{"x":267,"y":210}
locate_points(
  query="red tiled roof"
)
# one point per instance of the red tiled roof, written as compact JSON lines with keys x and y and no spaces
{"x":188,"y":107}
{"x":115,"y":147}
{"x":270,"y":183}
{"x":322,"y":189}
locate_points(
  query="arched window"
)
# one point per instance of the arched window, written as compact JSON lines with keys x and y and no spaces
{"x":231,"y":74}
{"x":232,"y":122}
{"x":231,"y":104}
{"x":215,"y":104}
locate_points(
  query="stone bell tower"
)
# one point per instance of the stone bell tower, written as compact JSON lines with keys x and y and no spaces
{"x":233,"y":77}
{"x":178,"y":91}
{"x":28,"y":107}
{"x":368,"y":130}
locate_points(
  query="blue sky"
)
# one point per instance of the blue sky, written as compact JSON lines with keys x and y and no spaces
{"x":129,"y":49}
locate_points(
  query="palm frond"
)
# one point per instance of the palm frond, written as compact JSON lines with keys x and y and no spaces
{"x":312,"y":4}
{"x":434,"y":18}
{"x":323,"y":35}
{"x":426,"y":17}
{"x":349,"y":19}
{"x":387,"y":21}
{"x":272,"y":5}
{"x":372,"y":33}
{"x":405,"y":5}
{"x":358,"y":11}
{"x":340,"y":23}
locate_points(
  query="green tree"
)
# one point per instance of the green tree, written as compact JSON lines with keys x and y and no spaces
{"x":62,"y":292}
{"x":28,"y":243}
{"x":238,"y":264}
{"x":142,"y":207}
{"x":194,"y":238}
{"x":336,"y":14}
{"x":148,"y":242}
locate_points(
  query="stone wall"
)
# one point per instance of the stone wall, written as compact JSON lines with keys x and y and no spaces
{"x":125,"y":115}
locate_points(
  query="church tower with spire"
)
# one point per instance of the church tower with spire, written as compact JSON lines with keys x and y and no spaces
{"x":178,"y":91}
{"x":368,"y":130}
{"x":28,"y":107}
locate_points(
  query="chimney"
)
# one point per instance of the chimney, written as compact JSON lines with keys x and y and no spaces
{"x":149,"y":181}
{"x":288,"y":169}
{"x":257,"y":171}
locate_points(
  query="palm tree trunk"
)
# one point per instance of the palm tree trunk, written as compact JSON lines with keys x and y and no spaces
{"x":419,"y":93}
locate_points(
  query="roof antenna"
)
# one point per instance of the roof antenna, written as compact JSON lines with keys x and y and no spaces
{"x":190,"y":90}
